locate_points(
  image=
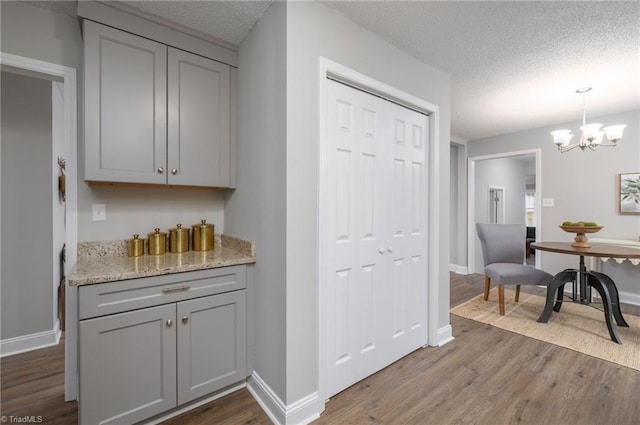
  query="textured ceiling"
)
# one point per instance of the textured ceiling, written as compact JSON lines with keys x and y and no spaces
{"x":230,"y":21}
{"x":514,"y":65}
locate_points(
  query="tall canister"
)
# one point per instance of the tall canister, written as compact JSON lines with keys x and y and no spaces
{"x":178,"y":239}
{"x":203,"y":236}
{"x":135,"y":246}
{"x":157,"y":242}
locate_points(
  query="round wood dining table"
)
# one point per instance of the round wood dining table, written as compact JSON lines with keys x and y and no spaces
{"x":602,"y":283}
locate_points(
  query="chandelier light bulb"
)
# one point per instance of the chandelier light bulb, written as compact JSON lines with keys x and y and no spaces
{"x":591,"y":131}
{"x":562,"y":137}
{"x":614,"y":132}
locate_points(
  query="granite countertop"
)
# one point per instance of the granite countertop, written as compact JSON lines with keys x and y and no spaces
{"x":107,"y":261}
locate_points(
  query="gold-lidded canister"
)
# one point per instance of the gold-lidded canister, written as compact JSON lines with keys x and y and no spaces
{"x":203,"y":236}
{"x":178,"y":239}
{"x":157,"y":242}
{"x":135,"y":246}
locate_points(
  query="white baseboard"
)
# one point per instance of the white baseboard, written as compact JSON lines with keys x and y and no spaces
{"x":444,"y":335}
{"x":301,"y":412}
{"x":24,"y":343}
{"x":458,"y":269}
{"x":625,"y":297}
{"x":629,"y":297}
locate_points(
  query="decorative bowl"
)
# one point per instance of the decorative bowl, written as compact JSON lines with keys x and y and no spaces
{"x":581,"y":240}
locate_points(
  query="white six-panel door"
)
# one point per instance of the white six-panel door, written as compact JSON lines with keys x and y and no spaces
{"x":375,"y":239}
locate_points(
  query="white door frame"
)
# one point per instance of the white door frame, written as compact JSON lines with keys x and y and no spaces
{"x":353,"y":78}
{"x":70,"y":131}
{"x":471,"y":209}
{"x":58,"y":140}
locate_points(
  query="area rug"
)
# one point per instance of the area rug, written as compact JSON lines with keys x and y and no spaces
{"x":577,"y":327}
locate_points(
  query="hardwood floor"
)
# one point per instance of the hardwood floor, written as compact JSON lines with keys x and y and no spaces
{"x":485,"y":376}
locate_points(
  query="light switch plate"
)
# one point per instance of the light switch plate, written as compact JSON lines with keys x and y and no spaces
{"x":99,"y":212}
{"x":548,"y":202}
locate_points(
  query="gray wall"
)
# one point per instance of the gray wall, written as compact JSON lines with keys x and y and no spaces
{"x":256,"y":210}
{"x":314,"y":30}
{"x":27,"y":236}
{"x":38,"y":33}
{"x":583,"y":186}
{"x":141,"y":209}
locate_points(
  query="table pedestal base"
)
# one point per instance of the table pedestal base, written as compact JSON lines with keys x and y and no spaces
{"x":600,"y":282}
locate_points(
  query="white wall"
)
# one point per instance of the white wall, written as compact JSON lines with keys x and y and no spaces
{"x":27,"y":235}
{"x":583,"y":186}
{"x":256,"y":210}
{"x":314,"y":30}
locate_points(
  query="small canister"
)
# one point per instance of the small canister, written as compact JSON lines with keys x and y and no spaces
{"x":157,"y":242}
{"x":203,"y":236}
{"x":178,"y":239}
{"x":136,"y":246}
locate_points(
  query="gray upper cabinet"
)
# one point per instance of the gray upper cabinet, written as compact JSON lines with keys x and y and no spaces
{"x":125,"y":106}
{"x":154,"y":114}
{"x":198,"y":128}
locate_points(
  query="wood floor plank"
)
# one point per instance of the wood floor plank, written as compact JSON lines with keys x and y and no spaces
{"x":484,"y":376}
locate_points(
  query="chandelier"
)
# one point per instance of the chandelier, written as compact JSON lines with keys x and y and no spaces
{"x":591,"y":134}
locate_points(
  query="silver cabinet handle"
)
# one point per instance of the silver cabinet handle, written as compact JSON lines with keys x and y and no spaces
{"x":381,"y":251}
{"x":185,"y":319}
{"x":169,"y":322}
{"x":390,"y":249}
{"x":174,"y":171}
{"x":160,"y":170}
{"x":176,"y":289}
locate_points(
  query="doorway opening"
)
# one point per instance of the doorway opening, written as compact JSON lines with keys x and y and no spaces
{"x":62,"y":80}
{"x":502,"y":188}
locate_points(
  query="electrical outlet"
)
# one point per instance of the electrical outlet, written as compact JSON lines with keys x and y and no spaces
{"x":548,"y":202}
{"x":99,"y":212}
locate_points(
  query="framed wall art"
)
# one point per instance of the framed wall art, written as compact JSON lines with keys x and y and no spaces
{"x":629,"y":199}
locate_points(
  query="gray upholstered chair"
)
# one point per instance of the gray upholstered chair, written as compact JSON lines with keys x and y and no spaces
{"x":503,"y":247}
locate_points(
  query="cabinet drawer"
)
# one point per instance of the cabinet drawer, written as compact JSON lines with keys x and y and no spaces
{"x":116,"y":297}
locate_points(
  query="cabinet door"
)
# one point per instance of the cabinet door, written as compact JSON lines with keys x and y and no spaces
{"x":211,"y":344}
{"x":199,"y":120}
{"x":125,"y":106}
{"x":127,"y":366}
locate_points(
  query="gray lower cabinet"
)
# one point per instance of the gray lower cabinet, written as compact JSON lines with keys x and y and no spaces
{"x":138,"y":364}
{"x":127,"y":366}
{"x":211,"y":344}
